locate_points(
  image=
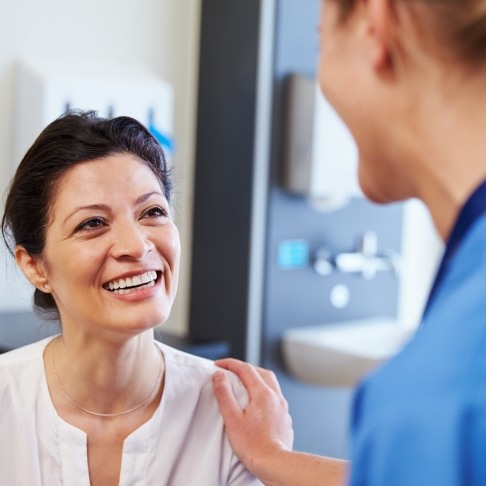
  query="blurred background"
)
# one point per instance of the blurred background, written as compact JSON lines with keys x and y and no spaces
{"x":284,"y":263}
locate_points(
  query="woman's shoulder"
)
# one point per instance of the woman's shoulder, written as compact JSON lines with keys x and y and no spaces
{"x":22,"y":383}
{"x":197,"y":372}
{"x":24,"y":354}
{"x":184,"y":359}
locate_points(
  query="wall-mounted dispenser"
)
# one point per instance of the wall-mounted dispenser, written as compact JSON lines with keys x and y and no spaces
{"x":320,"y":159}
{"x":47,"y":88}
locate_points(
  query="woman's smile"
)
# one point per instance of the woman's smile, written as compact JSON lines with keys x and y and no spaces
{"x":148,"y":277}
{"x":136,"y":287}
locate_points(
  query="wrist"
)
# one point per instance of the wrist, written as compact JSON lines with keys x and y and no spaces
{"x":270,"y":466}
{"x":282,"y":467}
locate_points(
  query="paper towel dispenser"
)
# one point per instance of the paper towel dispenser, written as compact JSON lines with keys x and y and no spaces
{"x":320,"y":156}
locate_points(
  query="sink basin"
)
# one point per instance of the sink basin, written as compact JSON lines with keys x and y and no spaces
{"x":341,"y":354}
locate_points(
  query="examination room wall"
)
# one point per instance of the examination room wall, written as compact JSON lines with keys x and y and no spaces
{"x":159,"y":35}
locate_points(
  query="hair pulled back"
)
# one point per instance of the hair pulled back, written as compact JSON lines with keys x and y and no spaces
{"x":457,"y":26}
{"x":74,"y":138}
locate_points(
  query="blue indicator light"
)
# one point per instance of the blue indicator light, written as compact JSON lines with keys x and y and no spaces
{"x":293,"y":254}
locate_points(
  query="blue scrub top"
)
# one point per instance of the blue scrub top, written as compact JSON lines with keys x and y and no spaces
{"x":421,"y":418}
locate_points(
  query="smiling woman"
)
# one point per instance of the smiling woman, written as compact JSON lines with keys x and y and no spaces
{"x":88,"y":219}
{"x":126,"y":233}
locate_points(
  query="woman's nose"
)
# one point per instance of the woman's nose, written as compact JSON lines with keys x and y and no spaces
{"x":131,"y":241}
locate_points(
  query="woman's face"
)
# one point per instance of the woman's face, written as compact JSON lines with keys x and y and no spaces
{"x":112,"y":250}
{"x":337,"y":66}
{"x":347,"y":78}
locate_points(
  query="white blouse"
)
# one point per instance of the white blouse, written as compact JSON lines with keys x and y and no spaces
{"x":183,"y":444}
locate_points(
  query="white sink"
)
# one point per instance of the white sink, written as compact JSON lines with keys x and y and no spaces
{"x":341,"y":354}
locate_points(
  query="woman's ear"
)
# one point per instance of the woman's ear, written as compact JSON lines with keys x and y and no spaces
{"x":380,"y":19}
{"x":33,"y":268}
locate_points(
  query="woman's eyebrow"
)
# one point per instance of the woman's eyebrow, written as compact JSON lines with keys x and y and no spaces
{"x":144,"y":197}
{"x":102,"y":207}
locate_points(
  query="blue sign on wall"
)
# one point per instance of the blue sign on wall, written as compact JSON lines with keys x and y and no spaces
{"x":293,"y":254}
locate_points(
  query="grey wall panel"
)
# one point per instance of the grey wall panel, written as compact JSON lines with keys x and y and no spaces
{"x":224,"y":170}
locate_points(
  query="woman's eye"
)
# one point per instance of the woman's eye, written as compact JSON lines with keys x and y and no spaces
{"x":91,"y":224}
{"x":155,"y":212}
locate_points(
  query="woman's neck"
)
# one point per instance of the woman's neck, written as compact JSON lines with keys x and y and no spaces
{"x":447,"y":142}
{"x":104,"y":377}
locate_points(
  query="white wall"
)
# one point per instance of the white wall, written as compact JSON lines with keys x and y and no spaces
{"x":161,"y":35}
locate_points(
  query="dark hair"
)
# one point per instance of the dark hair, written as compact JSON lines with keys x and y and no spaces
{"x":73,"y":138}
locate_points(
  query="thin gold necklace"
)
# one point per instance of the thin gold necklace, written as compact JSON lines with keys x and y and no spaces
{"x":97,"y":414}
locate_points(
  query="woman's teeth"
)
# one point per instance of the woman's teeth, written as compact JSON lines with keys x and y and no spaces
{"x":125,"y":285}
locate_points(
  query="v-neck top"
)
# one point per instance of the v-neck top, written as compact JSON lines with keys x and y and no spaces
{"x":472,"y":210}
{"x":420,"y":419}
{"x":182,"y":444}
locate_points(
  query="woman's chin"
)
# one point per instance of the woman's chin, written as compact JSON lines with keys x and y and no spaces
{"x":369,"y":190}
{"x":379,"y":197}
{"x":146,"y":323}
{"x":374,"y":191}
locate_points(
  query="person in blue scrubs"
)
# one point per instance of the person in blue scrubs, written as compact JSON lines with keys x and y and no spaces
{"x":409,"y":80}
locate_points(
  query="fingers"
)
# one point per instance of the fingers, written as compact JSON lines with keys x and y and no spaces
{"x":251,"y":376}
{"x":248,"y":374}
{"x":230,"y":409}
{"x":270,"y":379}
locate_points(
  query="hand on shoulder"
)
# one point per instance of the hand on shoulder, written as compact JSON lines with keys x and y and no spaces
{"x":263,"y":429}
{"x":261,"y":434}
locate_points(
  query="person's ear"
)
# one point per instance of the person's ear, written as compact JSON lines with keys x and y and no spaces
{"x":379,"y":14}
{"x":33,"y":268}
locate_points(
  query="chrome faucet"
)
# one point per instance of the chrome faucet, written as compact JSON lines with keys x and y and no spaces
{"x":365,"y":261}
